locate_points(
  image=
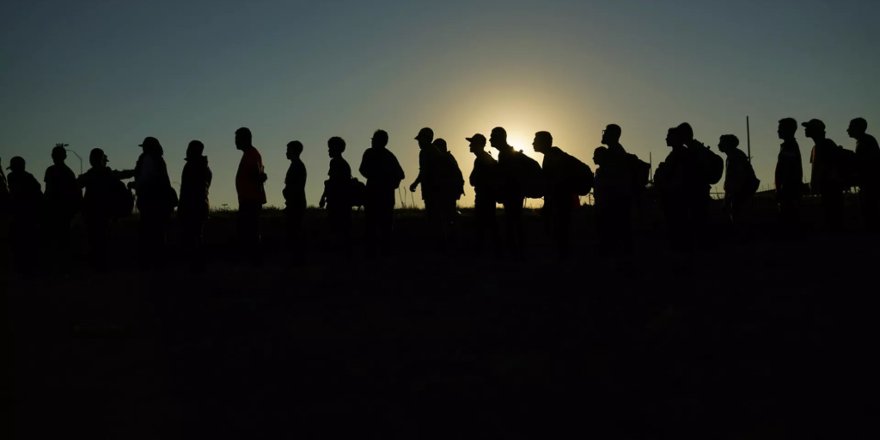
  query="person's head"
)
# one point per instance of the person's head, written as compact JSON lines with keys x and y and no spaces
{"x":194,"y":149}
{"x":243,"y":138}
{"x":857,"y":127}
{"x":685,"y":132}
{"x":814,"y":129}
{"x":335,"y":146}
{"x":151,"y":145}
{"x":59,"y":154}
{"x":543,"y":141}
{"x":599,"y":155}
{"x":440,"y":145}
{"x":673,"y":137}
{"x":379,"y":139}
{"x":16,"y":164}
{"x":727,"y":142}
{"x":787,"y":128}
{"x":294,"y":149}
{"x":611,"y":134}
{"x":425,"y":137}
{"x":97,"y":158}
{"x":498,"y":138}
{"x":477,"y":142}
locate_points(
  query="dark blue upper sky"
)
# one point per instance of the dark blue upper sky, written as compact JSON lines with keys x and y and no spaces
{"x":109,"y":73}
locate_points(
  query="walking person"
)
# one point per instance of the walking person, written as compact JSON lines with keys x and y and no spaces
{"x":384,"y":174}
{"x":295,"y":199}
{"x":485,"y":178}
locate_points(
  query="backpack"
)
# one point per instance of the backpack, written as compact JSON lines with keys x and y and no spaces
{"x":528,"y":175}
{"x":641,"y":172}
{"x":357,"y":192}
{"x":579,"y":175}
{"x":710,"y":163}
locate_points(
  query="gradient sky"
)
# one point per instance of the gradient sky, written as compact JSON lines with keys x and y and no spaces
{"x":109,"y":73}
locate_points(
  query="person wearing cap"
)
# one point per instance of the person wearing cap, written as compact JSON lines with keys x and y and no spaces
{"x":249,"y":180}
{"x":195,"y":182}
{"x":824,"y":179}
{"x":26,"y":197}
{"x":789,"y":175}
{"x":485,"y":179}
{"x":63,"y":200}
{"x":428,"y":156}
{"x":105,"y":199}
{"x":156,"y":200}
{"x":383,"y":173}
{"x":294,"y":193}
{"x":511,"y":192}
{"x":868,"y":162}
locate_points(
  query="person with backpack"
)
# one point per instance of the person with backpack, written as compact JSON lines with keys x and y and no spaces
{"x":450,"y":188}
{"x":825,"y":178}
{"x":485,"y":179}
{"x":249,"y":186}
{"x":195,"y":182}
{"x":867,"y":155}
{"x":674,"y":182}
{"x":63,"y":200}
{"x":516,"y":172}
{"x":705,"y":169}
{"x":740,"y":182}
{"x":383,"y":173}
{"x":560,"y":194}
{"x":337,"y":195}
{"x":106,"y":198}
{"x":429,"y":158}
{"x":615,"y":192}
{"x":26,"y":204}
{"x":789,"y":176}
{"x":294,"y":193}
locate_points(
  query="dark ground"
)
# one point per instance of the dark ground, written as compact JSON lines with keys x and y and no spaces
{"x":756,"y":338}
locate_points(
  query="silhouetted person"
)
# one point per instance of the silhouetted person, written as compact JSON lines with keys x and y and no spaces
{"x":450,"y":188}
{"x":192,"y":212}
{"x":673,"y":180}
{"x":63,"y":198}
{"x":824,"y":177}
{"x":739,"y":180}
{"x":337,"y":195}
{"x":485,"y":177}
{"x":789,"y":176}
{"x":699,"y":186}
{"x":156,"y":200}
{"x":26,"y":198}
{"x":295,"y":198}
{"x":384,"y":174}
{"x":868,"y":163}
{"x":614,"y":192}
{"x":106,"y":198}
{"x":560,"y":198}
{"x":249,"y":180}
{"x":511,"y":191}
{"x":427,"y":178}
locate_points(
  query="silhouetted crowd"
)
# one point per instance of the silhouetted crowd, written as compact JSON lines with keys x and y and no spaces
{"x":682,"y":183}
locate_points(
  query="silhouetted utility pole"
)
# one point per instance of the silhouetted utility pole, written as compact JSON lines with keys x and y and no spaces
{"x":748,"y":140}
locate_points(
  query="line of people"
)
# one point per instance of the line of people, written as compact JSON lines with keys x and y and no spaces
{"x":682,"y":183}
